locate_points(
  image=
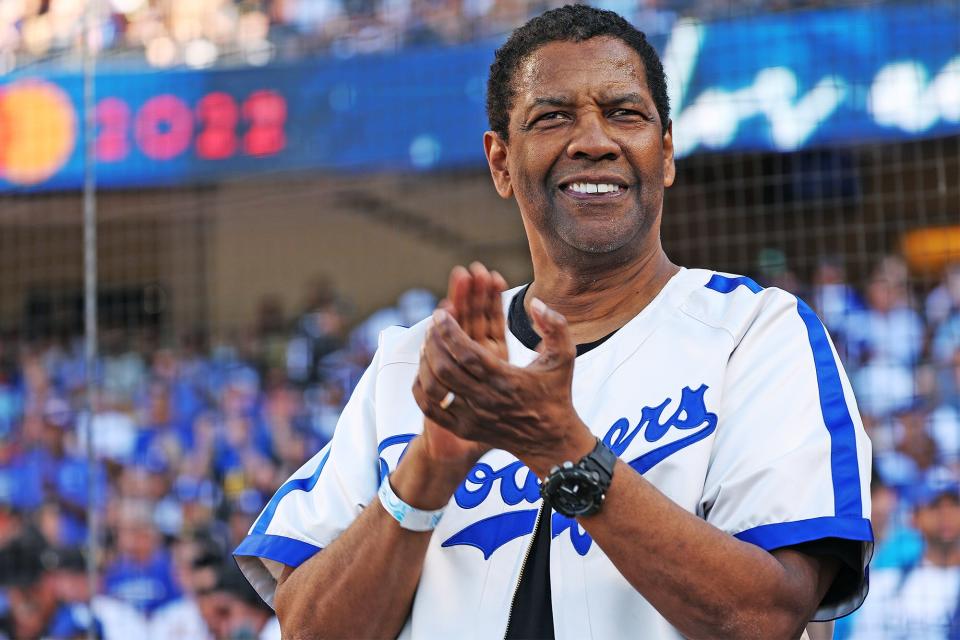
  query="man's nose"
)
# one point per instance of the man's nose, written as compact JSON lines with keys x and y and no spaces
{"x":591,"y":139}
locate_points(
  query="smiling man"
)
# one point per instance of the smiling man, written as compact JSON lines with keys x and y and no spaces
{"x":622,"y":448}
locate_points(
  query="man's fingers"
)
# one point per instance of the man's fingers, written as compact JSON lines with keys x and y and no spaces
{"x":478,"y":301}
{"x":461,"y":285}
{"x":471,"y":356}
{"x":457,"y":274}
{"x":496,"y":323}
{"x":444,"y":367}
{"x":447,"y":306}
{"x":449,"y":418}
{"x":557,"y":346}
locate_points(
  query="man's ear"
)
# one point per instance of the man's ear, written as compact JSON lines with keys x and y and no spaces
{"x":669,"y":168}
{"x":496,"y":150}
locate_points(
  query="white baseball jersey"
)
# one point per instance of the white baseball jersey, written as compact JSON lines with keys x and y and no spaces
{"x":729,"y":398}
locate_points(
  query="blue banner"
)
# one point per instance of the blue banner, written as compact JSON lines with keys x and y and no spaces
{"x":777,"y":82}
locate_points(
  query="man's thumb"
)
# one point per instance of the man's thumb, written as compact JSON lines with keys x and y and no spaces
{"x":557,"y":345}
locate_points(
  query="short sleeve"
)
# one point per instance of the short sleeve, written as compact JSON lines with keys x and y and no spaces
{"x":791,"y":461}
{"x":320,"y":500}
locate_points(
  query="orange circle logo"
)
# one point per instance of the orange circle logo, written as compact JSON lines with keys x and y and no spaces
{"x":38,"y":131}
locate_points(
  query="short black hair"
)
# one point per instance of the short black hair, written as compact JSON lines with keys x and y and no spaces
{"x":571,"y":23}
{"x":25,"y":559}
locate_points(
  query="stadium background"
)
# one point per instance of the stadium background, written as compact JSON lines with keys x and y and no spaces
{"x":276,"y":181}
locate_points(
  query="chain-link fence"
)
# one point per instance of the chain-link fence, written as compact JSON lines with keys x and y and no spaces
{"x":276,"y":182}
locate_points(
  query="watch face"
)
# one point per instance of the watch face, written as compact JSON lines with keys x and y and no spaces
{"x":574,"y":492}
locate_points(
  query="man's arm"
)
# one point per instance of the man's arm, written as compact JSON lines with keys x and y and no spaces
{"x":362,"y":584}
{"x":704,"y":581}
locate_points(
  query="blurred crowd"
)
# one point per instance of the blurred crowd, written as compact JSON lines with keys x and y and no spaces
{"x":202,"y":33}
{"x":191,"y":441}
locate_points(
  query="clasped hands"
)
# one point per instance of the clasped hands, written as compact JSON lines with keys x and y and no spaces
{"x":473,"y":399}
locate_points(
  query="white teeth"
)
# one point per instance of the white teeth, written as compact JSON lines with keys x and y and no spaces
{"x":591,"y":187}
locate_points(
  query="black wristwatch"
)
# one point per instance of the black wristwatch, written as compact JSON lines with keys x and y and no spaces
{"x":579,"y":489}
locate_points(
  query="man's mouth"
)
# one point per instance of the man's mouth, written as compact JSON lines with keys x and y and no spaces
{"x":592,"y":190}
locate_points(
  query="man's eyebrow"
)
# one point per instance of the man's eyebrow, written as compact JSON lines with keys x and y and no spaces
{"x":551,"y":101}
{"x":626,"y":98}
{"x":611,"y":100}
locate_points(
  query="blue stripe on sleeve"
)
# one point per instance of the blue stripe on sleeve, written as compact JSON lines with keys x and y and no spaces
{"x":836,"y":415}
{"x":785,"y":534}
{"x":285,"y":550}
{"x":298,"y":484}
{"x":844,"y":468}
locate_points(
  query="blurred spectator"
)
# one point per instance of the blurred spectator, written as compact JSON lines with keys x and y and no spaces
{"x":834,"y":300}
{"x":318,"y":333}
{"x":29,"y":592}
{"x":124,"y":370}
{"x":946,"y":350}
{"x":235,"y":611}
{"x":142,"y":573}
{"x":47,"y":470}
{"x":118,"y":620}
{"x":242,"y":512}
{"x":21,"y":481}
{"x":774,"y":271}
{"x":920,"y":600}
{"x":197,"y":499}
{"x":884,"y":342}
{"x":197,"y":559}
{"x":888,"y":331}
{"x":944,"y":300}
{"x":895,"y":543}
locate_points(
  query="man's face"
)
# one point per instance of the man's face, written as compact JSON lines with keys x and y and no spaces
{"x":587,"y":158}
{"x":939,"y":522}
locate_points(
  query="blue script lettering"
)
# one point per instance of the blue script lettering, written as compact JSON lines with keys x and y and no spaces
{"x":485,"y":477}
{"x":691,"y":414}
{"x":401,"y":439}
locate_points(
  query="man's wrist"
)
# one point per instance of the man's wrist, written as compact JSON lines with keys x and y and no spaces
{"x":577,"y":444}
{"x":424,"y":483}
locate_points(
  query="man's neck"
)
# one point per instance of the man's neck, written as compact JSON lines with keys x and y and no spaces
{"x":598,"y":302}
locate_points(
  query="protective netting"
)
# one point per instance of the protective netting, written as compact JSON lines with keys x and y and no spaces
{"x":278,"y":181}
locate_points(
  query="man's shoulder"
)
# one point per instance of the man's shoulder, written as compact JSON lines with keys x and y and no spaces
{"x":399,"y":345}
{"x":734,"y":303}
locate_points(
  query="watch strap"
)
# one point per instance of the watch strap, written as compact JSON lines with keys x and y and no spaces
{"x":602,"y":460}
{"x":408,"y":517}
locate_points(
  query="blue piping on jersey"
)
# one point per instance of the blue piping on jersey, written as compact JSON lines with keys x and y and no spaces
{"x":288,"y":551}
{"x":726,"y":284}
{"x":298,"y":484}
{"x":784,"y":534}
{"x":844,"y":469}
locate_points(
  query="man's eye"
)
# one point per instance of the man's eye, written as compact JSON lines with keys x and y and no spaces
{"x":625,"y":113}
{"x":553,"y":115}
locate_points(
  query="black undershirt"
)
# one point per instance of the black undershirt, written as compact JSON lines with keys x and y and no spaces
{"x":531,"y":616}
